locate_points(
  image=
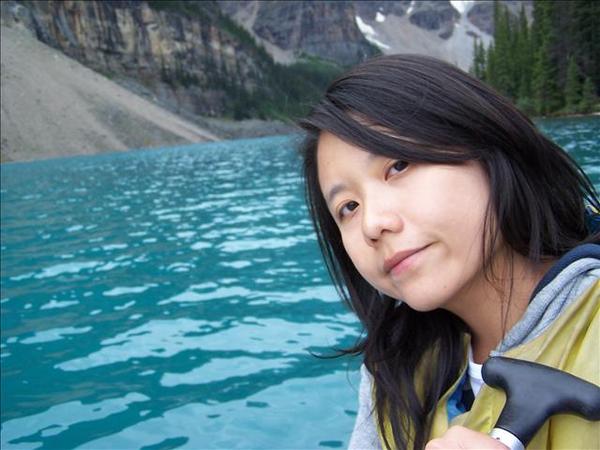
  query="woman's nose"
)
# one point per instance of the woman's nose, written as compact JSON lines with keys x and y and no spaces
{"x":379,"y":216}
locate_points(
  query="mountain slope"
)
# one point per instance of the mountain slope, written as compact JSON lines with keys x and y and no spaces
{"x":441,"y":28}
{"x":54,"y":106}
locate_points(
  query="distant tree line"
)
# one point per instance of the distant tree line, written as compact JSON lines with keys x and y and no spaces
{"x":287,"y":92}
{"x":550,"y":66}
{"x":284,"y":92}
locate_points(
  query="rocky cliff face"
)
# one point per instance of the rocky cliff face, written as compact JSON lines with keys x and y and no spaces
{"x":435,"y":15}
{"x":368,"y":9}
{"x":214,"y":58}
{"x":186,"y":59}
{"x":329,"y":29}
{"x":481,"y":14}
{"x":326,"y":29}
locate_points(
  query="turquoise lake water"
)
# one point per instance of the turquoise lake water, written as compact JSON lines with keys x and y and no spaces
{"x":171,"y":299}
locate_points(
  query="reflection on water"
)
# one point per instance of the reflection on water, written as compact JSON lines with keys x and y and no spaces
{"x":171,"y":299}
{"x":168,"y":297}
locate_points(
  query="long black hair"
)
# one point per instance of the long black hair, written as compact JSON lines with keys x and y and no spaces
{"x":418,"y":109}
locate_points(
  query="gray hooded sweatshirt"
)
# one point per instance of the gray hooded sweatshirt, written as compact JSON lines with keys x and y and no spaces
{"x":566,"y":281}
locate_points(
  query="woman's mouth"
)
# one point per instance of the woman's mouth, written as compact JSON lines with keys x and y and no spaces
{"x":402,"y":260}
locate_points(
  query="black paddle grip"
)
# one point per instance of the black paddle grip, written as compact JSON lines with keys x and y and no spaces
{"x":535,"y":392}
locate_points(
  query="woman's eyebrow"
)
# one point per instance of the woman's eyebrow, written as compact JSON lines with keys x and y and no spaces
{"x":337,"y":188}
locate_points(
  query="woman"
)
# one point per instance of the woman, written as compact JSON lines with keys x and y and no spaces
{"x":454,"y":230}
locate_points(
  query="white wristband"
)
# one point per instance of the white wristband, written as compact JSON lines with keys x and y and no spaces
{"x":507,"y":438}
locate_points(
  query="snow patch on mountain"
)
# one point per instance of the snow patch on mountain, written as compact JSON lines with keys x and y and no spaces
{"x":396,"y":34}
{"x":370,"y":34}
{"x":462,"y":6}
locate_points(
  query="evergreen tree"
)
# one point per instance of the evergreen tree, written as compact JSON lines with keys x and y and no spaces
{"x":588,"y":96}
{"x":503,"y":79}
{"x":572,"y":87}
{"x":478,"y":67}
{"x":585,"y":34}
{"x":539,"y":24}
{"x":541,"y":65}
{"x":473,"y":67}
{"x":523,"y":57}
{"x":542,"y":74}
{"x":482,"y":60}
{"x":546,"y":95}
{"x":490,"y":75}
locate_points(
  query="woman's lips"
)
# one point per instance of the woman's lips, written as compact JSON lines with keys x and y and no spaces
{"x":401,"y":260}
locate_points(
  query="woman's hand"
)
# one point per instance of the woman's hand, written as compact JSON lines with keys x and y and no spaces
{"x":464,"y":439}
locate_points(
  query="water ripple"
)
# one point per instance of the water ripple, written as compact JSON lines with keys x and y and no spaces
{"x":173,"y":298}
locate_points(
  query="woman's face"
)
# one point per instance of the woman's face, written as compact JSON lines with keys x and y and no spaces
{"x":413,"y":231}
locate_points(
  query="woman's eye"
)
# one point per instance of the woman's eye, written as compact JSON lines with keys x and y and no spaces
{"x":347,"y":208}
{"x":398,"y":166}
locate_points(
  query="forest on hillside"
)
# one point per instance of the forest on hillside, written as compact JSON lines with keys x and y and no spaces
{"x":550,"y":66}
{"x":286,"y":91}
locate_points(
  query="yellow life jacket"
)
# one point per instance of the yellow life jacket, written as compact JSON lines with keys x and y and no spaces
{"x":572,"y":344}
